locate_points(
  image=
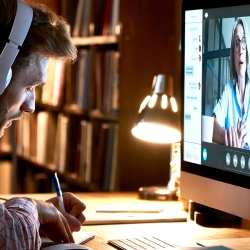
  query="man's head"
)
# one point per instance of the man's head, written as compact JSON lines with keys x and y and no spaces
{"x":48,"y":37}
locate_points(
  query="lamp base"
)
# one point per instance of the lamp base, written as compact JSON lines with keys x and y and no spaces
{"x":162,"y":193}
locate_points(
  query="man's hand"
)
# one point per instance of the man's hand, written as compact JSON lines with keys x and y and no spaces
{"x":73,"y":210}
{"x":52,"y":223}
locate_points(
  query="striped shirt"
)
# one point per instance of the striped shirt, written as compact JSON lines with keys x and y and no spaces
{"x":19,"y":225}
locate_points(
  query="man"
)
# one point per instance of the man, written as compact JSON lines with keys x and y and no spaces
{"x":23,"y":220}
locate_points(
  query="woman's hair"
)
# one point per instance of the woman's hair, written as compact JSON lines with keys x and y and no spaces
{"x":48,"y":35}
{"x":233,"y":73}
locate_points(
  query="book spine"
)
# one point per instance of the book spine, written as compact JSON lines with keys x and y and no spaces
{"x":109,"y":156}
{"x":78,"y":18}
{"x":42,"y":127}
{"x":84,"y":31}
{"x":113,"y":174}
{"x":106,"y":19}
{"x":115,"y":16}
{"x":98,"y":167}
{"x":83,"y":79}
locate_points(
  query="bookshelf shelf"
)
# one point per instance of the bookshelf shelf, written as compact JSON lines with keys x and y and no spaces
{"x":44,"y":106}
{"x":97,"y":114}
{"x":94,"y":40}
{"x":74,"y":109}
{"x":70,"y":178}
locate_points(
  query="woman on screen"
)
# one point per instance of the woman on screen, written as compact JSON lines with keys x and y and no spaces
{"x":232,"y":112}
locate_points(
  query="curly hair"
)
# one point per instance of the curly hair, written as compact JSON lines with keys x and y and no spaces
{"x":233,"y":73}
{"x":48,"y":36}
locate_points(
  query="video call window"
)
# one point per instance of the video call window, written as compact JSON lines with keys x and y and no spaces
{"x":216,"y":58}
{"x":211,"y":74}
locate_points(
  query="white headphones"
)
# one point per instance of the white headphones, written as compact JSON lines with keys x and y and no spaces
{"x":18,"y":33}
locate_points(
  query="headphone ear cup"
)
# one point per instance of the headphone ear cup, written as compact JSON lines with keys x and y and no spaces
{"x":19,"y":31}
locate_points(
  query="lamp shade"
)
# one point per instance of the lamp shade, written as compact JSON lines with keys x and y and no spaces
{"x":158,"y":119}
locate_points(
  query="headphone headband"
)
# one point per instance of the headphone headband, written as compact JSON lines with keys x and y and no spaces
{"x":19,"y":31}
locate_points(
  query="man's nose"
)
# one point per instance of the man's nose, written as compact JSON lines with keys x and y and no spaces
{"x":29,"y":103}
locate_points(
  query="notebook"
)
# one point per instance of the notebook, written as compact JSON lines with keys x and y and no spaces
{"x":139,"y":208}
{"x":134,"y":213}
{"x":131,"y":219}
{"x":80,"y":238}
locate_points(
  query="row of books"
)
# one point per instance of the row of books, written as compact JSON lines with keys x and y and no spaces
{"x":105,"y":91}
{"x":46,"y":139}
{"x":86,"y":24}
{"x":52,"y":92}
{"x":105,"y":79}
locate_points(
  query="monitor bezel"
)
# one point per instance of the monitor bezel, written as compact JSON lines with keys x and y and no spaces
{"x":196,"y":169}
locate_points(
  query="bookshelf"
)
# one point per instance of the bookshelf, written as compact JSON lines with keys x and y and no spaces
{"x":146,"y":44}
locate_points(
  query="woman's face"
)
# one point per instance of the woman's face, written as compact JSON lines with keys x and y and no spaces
{"x":240,"y":51}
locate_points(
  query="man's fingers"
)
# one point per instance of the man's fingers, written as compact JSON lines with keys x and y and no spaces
{"x":53,"y":223}
{"x":65,"y":225}
{"x":74,"y":222}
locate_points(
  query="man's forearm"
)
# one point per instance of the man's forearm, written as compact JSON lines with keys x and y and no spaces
{"x":19,"y":225}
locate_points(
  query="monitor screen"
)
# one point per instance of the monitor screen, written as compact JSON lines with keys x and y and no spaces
{"x":215,"y":162}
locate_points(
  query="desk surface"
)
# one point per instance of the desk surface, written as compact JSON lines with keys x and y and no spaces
{"x":186,"y":232}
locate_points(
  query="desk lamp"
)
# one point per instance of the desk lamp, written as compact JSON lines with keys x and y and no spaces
{"x":157,"y":122}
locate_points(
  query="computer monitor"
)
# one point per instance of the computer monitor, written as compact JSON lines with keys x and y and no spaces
{"x":213,"y":173}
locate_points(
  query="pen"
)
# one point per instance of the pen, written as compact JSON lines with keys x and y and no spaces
{"x":58,"y":190}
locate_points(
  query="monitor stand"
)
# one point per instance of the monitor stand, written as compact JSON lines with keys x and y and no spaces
{"x":206,"y":216}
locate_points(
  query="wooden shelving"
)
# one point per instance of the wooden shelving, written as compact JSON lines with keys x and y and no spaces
{"x":148,"y":44}
{"x":94,"y":40}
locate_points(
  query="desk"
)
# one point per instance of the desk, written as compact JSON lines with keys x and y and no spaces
{"x":186,"y":232}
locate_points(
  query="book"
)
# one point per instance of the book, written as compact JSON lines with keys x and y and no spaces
{"x":99,"y":79}
{"x":84,"y":30}
{"x":105,"y":30}
{"x":82,"y":19}
{"x":85,"y":150}
{"x":57,"y":94}
{"x":33,"y":136}
{"x":115,"y":84}
{"x":46,"y":136}
{"x":108,"y":158}
{"x":78,"y":18}
{"x":98,"y":167}
{"x":60,"y":153}
{"x":26,"y":135}
{"x":114,"y":167}
{"x":83,"y":79}
{"x":42,"y":127}
{"x":111,"y":82}
{"x":52,"y":91}
{"x":115,"y":17}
